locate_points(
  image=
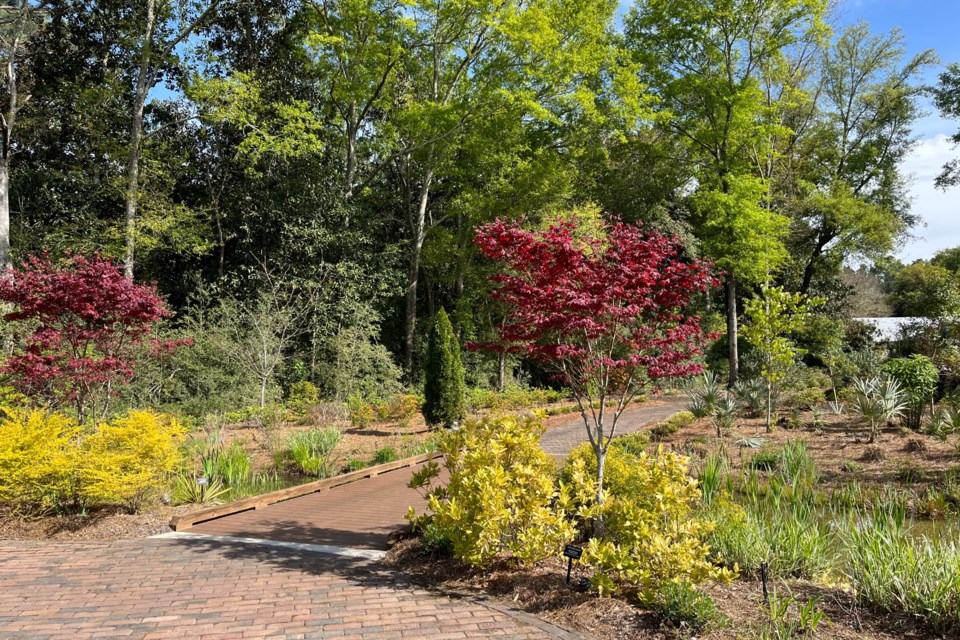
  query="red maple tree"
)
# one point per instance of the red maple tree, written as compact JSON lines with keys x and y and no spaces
{"x":607,"y":314}
{"x":83,"y":321}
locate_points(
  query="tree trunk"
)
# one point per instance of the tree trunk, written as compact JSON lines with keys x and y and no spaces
{"x":501,"y":371}
{"x":769,"y":406}
{"x":733,"y":355}
{"x":5,"y":259}
{"x":136,"y":135}
{"x":6,"y":143}
{"x":419,"y":232}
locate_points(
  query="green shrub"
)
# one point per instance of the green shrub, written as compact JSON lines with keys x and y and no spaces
{"x":360,"y":412}
{"x":918,"y":377}
{"x":634,"y":443}
{"x":312,"y":450}
{"x":302,"y":395}
{"x":400,"y":406}
{"x":501,"y":495}
{"x":384,"y":455}
{"x":752,"y":396}
{"x":764,"y":461}
{"x":686,"y":608}
{"x":355,"y":464}
{"x":444,"y":388}
{"x":672,"y":424}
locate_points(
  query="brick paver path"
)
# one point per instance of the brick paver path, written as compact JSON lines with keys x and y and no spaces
{"x":559,"y":440}
{"x":194,"y":589}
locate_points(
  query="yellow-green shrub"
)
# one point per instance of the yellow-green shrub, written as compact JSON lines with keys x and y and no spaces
{"x":500,"y":494}
{"x":650,"y":533}
{"x":125,"y":458}
{"x":37,"y":459}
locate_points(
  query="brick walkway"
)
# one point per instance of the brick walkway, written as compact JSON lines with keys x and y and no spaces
{"x":195,"y":589}
{"x":559,"y":440}
{"x":206,"y":587}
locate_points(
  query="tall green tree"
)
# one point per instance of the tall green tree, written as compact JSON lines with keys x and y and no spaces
{"x":444,"y":390}
{"x":844,"y":188}
{"x":708,"y":63}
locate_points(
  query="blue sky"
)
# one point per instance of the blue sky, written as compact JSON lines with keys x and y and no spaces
{"x":925,"y":24}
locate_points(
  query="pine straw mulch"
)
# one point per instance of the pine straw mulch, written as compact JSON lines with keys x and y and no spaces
{"x":541,"y":590}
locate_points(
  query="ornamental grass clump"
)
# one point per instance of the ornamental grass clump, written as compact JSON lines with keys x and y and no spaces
{"x":501,"y":499}
{"x":894,"y":570}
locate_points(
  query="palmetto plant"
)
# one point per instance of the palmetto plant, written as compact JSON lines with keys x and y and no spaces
{"x":878,"y":400}
{"x":704,"y":395}
{"x":725,"y":414}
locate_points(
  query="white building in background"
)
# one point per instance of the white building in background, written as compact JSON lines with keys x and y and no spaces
{"x":890,"y":329}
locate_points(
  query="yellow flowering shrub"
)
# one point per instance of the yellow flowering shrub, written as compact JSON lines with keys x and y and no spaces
{"x":37,"y":459}
{"x":124,"y":459}
{"x":651,"y":534}
{"x":500,"y":496}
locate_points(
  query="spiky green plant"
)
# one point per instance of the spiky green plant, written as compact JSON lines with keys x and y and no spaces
{"x":878,"y":400}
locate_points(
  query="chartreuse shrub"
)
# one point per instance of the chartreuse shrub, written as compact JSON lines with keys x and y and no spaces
{"x":48,"y":461}
{"x":647,"y":531}
{"x":918,"y":377}
{"x":444,"y":389}
{"x":302,"y":395}
{"x":38,"y":459}
{"x":124,"y":459}
{"x":500,"y":497}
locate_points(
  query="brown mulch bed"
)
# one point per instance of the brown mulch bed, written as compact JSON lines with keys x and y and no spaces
{"x":840,"y":447}
{"x":542,"y":591}
{"x":104,"y":524}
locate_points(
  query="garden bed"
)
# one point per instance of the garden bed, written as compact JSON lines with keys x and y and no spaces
{"x":541,"y":590}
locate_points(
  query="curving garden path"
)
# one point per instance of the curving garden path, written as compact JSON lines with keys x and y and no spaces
{"x":305,"y":568}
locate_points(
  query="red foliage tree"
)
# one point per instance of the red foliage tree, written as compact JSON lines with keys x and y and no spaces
{"x":84,"y":321}
{"x":607,"y":314}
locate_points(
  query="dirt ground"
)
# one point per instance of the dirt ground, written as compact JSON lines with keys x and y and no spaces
{"x":840,"y":446}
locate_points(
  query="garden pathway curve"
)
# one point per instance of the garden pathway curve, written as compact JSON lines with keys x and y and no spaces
{"x":282,"y":583}
{"x":363,"y":514}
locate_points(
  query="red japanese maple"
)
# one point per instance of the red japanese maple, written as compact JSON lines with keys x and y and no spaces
{"x":83,"y":320}
{"x":606,"y":314}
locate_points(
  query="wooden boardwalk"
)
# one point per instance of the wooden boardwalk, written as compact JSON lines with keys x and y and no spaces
{"x":363,"y":514}
{"x":359,"y":515}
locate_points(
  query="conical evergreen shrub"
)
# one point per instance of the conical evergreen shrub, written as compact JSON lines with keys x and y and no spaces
{"x":444,"y":389}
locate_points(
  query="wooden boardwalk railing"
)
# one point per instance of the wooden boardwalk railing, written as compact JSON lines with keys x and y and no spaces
{"x":187,"y":520}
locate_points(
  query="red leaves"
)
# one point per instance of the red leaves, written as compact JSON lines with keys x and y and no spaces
{"x":600,"y":310}
{"x":85,"y":317}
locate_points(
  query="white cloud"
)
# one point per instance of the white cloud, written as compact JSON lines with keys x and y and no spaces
{"x":938,"y":210}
